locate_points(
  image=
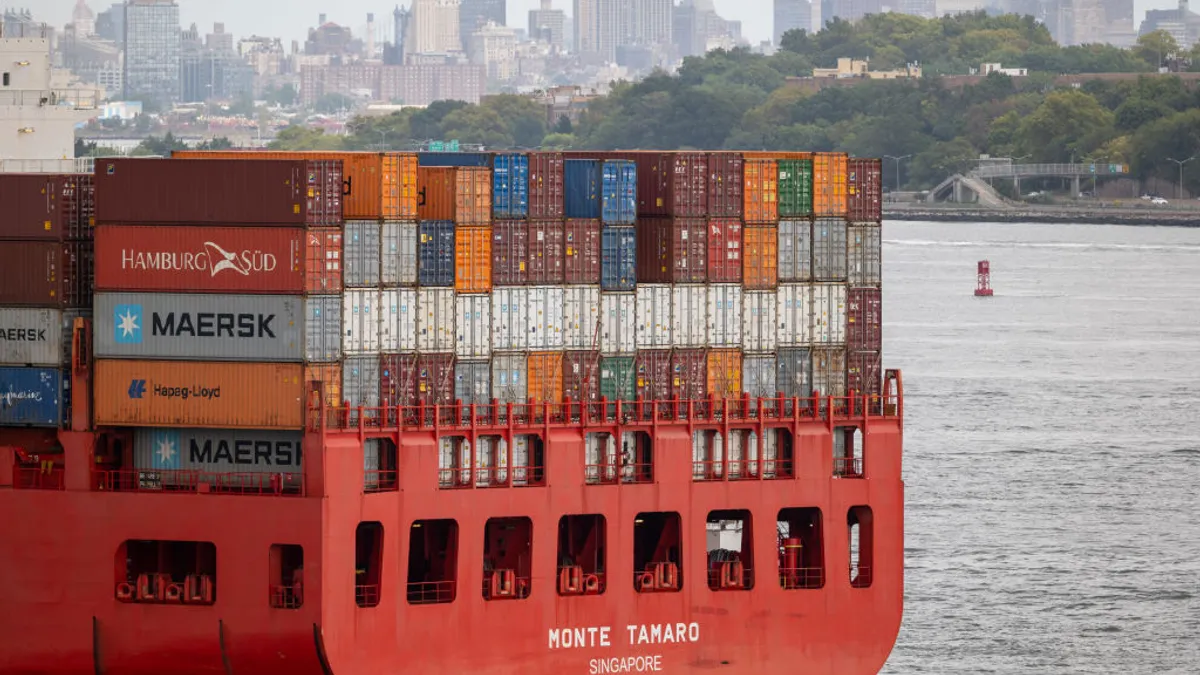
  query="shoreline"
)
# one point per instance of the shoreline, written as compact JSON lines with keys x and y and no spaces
{"x":1114,"y":216}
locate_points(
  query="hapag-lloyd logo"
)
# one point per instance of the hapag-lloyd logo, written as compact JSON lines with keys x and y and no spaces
{"x":213,"y":259}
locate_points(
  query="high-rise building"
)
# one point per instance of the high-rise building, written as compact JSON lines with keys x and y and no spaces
{"x":587,"y":23}
{"x":110,"y":24}
{"x":650,"y":23}
{"x":83,"y":19}
{"x":152,"y":50}
{"x":547,"y":25}
{"x":926,"y":9}
{"x":853,"y":10}
{"x":791,"y":15}
{"x":495,"y":48}
{"x":393,"y":54}
{"x":435,"y":27}
{"x":475,"y":14}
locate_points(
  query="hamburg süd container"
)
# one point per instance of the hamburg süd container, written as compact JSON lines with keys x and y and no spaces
{"x":689,"y":374}
{"x":794,"y":315}
{"x":473,"y":259}
{"x":653,"y":316}
{"x":829,"y":184}
{"x":546,"y":185}
{"x":829,"y":371}
{"x":829,"y":249}
{"x":198,"y":394}
{"x":795,"y":250}
{"x":672,"y":250}
{"x":761,"y":255}
{"x":864,"y":190}
{"x":724,"y":250}
{"x":253,"y":192}
{"x":758,"y":376}
{"x":510,"y":186}
{"x":34,"y":397}
{"x":330,"y":377}
{"x":582,"y":251}
{"x":759,"y":318}
{"x":689,"y":315}
{"x":436,"y":313}
{"x":581,"y":183}
{"x":217,"y":450}
{"x":617,"y":323}
{"x":724,"y":315}
{"x":795,"y":188}
{"x":46,"y":273}
{"x":473,"y":382}
{"x":510,"y":253}
{"x":434,"y":380}
{"x":618,"y":378}
{"x":652,"y":375}
{"x":864,"y":320}
{"x":196,"y":327}
{"x":581,"y":375}
{"x":762,"y":191}
{"x":581,"y":317}
{"x":547,"y":246}
{"x":864,"y":373}
{"x":618,"y":192}
{"x":398,"y":252}
{"x":398,"y":380}
{"x":473,"y":328}
{"x":726,"y":183}
{"x":361,"y":254}
{"x":360,"y":381}
{"x":50,"y":207}
{"x":436,"y":187}
{"x":510,"y":378}
{"x":672,"y":184}
{"x":435,"y":253}
{"x":323,"y":328}
{"x":511,"y":318}
{"x":361,"y":318}
{"x":398,"y":320}
{"x":724,"y":373}
{"x":793,"y":374}
{"x":322,"y":264}
{"x":473,"y":196}
{"x":829,"y":314}
{"x":546,"y":376}
{"x":32,"y":336}
{"x":864,"y":254}
{"x":618,"y":258}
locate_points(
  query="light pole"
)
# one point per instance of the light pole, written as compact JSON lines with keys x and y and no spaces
{"x":383,"y":138}
{"x":897,"y":160}
{"x":1180,"y":162}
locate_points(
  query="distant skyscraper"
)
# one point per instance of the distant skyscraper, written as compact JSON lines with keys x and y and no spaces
{"x":475,"y":14}
{"x":110,"y":24}
{"x":586,"y":17}
{"x":853,"y":10}
{"x":152,"y":50}
{"x":926,"y":9}
{"x":84,"y":19}
{"x":650,"y":23}
{"x":547,"y":25}
{"x":792,"y":15}
{"x":393,"y":55}
{"x":435,"y":27}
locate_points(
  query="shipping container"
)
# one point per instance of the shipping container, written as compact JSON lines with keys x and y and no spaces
{"x":761,"y":194}
{"x":581,"y":375}
{"x":435,"y":379}
{"x":581,"y":187}
{"x":793,"y":374}
{"x":759,"y":318}
{"x":510,"y":378}
{"x":724,"y":315}
{"x":864,"y":254}
{"x":473,"y":382}
{"x":455,"y":158}
{"x":399,"y":187}
{"x":672,"y":250}
{"x":672,"y":184}
{"x":761,"y":246}
{"x":829,"y":184}
{"x":398,"y":380}
{"x":510,"y":185}
{"x":689,"y":374}
{"x":829,"y":249}
{"x":510,"y":253}
{"x":435,"y":253}
{"x":360,"y":381}
{"x":689,"y":315}
{"x":829,"y":371}
{"x":361,"y":254}
{"x":473,"y":331}
{"x":473,"y":196}
{"x":618,"y":378}
{"x":436,"y":314}
{"x":48,"y":274}
{"x":653,"y":316}
{"x":652,"y":375}
{"x":582,"y":249}
{"x":511,"y":318}
{"x":322,"y":265}
{"x":864,"y":320}
{"x":864,"y":373}
{"x":864,"y":190}
{"x":618,"y":258}
{"x":545,"y":321}
{"x":795,"y":250}
{"x":33,"y":337}
{"x":546,"y":185}
{"x":547,"y":247}
{"x":194,"y":327}
{"x":828,"y":314}
{"x":546,"y":376}
{"x":581,"y":317}
{"x":35,"y":397}
{"x":724,"y":250}
{"x":724,"y":373}
{"x":398,"y":320}
{"x":618,"y":192}
{"x":217,"y":450}
{"x":330,"y":377}
{"x":618,"y":317}
{"x":758,"y":376}
{"x":51,"y":207}
{"x":795,"y":188}
{"x":398,"y":250}
{"x":473,"y":259}
{"x":436,"y":188}
{"x":361,"y":322}
{"x":323,"y":328}
{"x":198,"y":394}
{"x":131,"y":191}
{"x":725,"y":185}
{"x":794,"y":314}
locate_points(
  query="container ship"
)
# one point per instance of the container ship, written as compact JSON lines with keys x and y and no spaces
{"x":535,"y":412}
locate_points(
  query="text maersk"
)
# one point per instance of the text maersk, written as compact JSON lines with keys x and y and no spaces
{"x":212,"y":259}
{"x":213,"y":324}
{"x":23,"y":334}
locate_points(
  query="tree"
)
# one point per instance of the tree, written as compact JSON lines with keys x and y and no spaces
{"x":1154,"y":47}
{"x":1067,"y":125}
{"x":563,"y":126}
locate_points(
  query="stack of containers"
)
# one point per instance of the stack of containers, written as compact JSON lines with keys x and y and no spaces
{"x":864,"y":329}
{"x":46,"y":268}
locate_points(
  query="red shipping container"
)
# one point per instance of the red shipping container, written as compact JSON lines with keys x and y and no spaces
{"x":46,"y":274}
{"x":864,"y":373}
{"x":436,"y":187}
{"x":652,"y":374}
{"x":672,"y":183}
{"x":547,"y":248}
{"x":323,"y":260}
{"x":398,"y":380}
{"x":50,"y":207}
{"x":203,"y":259}
{"x":510,"y":253}
{"x":582,"y":262}
{"x":219,"y":191}
{"x":864,"y":319}
{"x":864,"y":190}
{"x":672,"y":250}
{"x":581,"y":375}
{"x":546,"y":197}
{"x":689,"y":374}
{"x":435,"y":379}
{"x":725,"y":249}
{"x":725,"y":184}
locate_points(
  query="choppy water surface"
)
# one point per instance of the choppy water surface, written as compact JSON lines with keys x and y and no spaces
{"x":1052,"y":447}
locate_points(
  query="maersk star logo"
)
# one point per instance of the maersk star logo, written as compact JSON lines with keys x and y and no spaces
{"x":165,"y":446}
{"x":127,"y":324}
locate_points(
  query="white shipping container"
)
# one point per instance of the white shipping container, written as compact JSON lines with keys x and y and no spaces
{"x":724,"y":315}
{"x":473,"y":332}
{"x":510,"y":380}
{"x":360,"y":381}
{"x":617,"y":318}
{"x":864,"y":254}
{"x":435,"y":319}
{"x":398,"y":320}
{"x":31,"y":337}
{"x":758,"y":376}
{"x":323,"y":328}
{"x":360,"y":253}
{"x":795,"y":251}
{"x":829,"y":371}
{"x":829,"y":314}
{"x":653,"y":316}
{"x":689,"y":324}
{"x":793,"y":314}
{"x":581,"y":311}
{"x":399,"y":251}
{"x":360,"y":321}
{"x":759,"y":316}
{"x":510,"y":318}
{"x":546,"y":317}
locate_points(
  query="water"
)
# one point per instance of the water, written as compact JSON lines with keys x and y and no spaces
{"x":1052,"y":447}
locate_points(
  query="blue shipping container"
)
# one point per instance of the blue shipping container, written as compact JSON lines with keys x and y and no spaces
{"x":435,"y":253}
{"x":581,"y":185}
{"x":32,"y":397}
{"x":454,"y":159}
{"x":619,"y":193}
{"x":618,"y":258}
{"x":510,"y":187}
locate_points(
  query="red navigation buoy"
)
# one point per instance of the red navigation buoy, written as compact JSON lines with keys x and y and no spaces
{"x":983,"y":284}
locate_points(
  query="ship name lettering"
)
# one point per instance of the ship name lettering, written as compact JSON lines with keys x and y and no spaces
{"x":213,"y":324}
{"x":663,"y":633}
{"x":570,"y":638}
{"x":246,"y":452}
{"x":626,"y":664}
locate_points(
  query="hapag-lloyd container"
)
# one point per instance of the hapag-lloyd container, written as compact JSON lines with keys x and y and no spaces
{"x":864,"y":254}
{"x":473,"y":329}
{"x":32,"y":337}
{"x":472,"y":196}
{"x":725,"y":185}
{"x":472,"y":259}
{"x":672,"y":250}
{"x":36,"y":397}
{"x":360,"y":321}
{"x":50,"y":207}
{"x":398,"y":266}
{"x":689,"y":374}
{"x":217,"y":450}
{"x":582,"y":249}
{"x":864,"y":320}
{"x":762,"y":191}
{"x":46,"y":274}
{"x":652,"y":374}
{"x":436,"y":313}
{"x":473,"y":382}
{"x":435,"y":253}
{"x":323,"y":328}
{"x":581,"y":181}
{"x":653,"y":316}
{"x":864,"y":190}
{"x":398,"y":380}
{"x":617,"y":323}
{"x":725,"y":250}
{"x":546,"y":185}
{"x":829,"y":371}
{"x":724,"y":373}
{"x":724,"y":315}
{"x":208,"y":394}
{"x":794,"y":372}
{"x":258,"y":192}
{"x":398,"y":320}
{"x":510,"y":186}
{"x":618,"y":258}
{"x":689,"y":315}
{"x":360,"y":381}
{"x":829,"y":249}
{"x":795,"y":187}
{"x":581,"y":316}
{"x":547,"y":244}
{"x":434,"y":380}
{"x":829,"y":183}
{"x":361,"y":254}
{"x":546,"y":376}
{"x":864,"y":373}
{"x":581,"y":375}
{"x":618,"y":378}
{"x":759,"y":318}
{"x":435,"y":193}
{"x":510,"y":253}
{"x":761,"y":254}
{"x":510,"y":378}
{"x":829,"y":314}
{"x":322,"y":264}
{"x":618,"y":192}
{"x":672,"y":183}
{"x":794,"y":315}
{"x":758,"y":376}
{"x":795,"y":250}
{"x":196,"y":327}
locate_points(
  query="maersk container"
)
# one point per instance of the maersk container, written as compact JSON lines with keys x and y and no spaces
{"x":794,"y":314}
{"x":618,"y":192}
{"x":581,"y":316}
{"x":510,"y":319}
{"x":436,"y":313}
{"x":360,"y":381}
{"x":473,"y":331}
{"x":864,"y":319}
{"x":759,"y":318}
{"x":828,"y":314}
{"x":618,"y":258}
{"x":795,"y":188}
{"x":864,"y":373}
{"x":361,"y":319}
{"x":795,"y":250}
{"x":618,"y":378}
{"x":724,"y":313}
{"x":510,"y":186}
{"x":829,"y":249}
{"x":581,"y":182}
{"x":793,"y":373}
{"x":398,"y":320}
{"x":361,"y":253}
{"x":483,"y":159}
{"x":725,"y":185}
{"x":547,"y":246}
{"x":196,"y":327}
{"x":581,"y":375}
{"x":758,"y":376}
{"x":652,"y":375}
{"x":32,"y":337}
{"x":52,"y":207}
{"x":398,"y":380}
{"x":34,"y":397}
{"x":829,"y":371}
{"x":725,"y":250}
{"x":510,"y":378}
{"x":473,"y":382}
{"x":217,"y":450}
{"x":546,"y":185}
{"x":689,"y":374}
{"x":435,"y":252}
{"x":864,"y":254}
{"x":672,"y":250}
{"x":546,"y":329}
{"x":323,"y":328}
{"x":434,"y":382}
{"x":618,"y":317}
{"x":864,"y":188}
{"x":398,"y":266}
{"x":510,"y":253}
{"x":582,"y":249}
{"x":653,"y":316}
{"x":689,"y":315}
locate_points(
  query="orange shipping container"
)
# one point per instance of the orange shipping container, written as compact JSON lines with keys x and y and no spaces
{"x":725,"y":373}
{"x":329,"y":374}
{"x":760,"y":246}
{"x":323,"y":260}
{"x":199,"y":394}
{"x":473,"y":196}
{"x":762,"y":191}
{"x":435,"y":192}
{"x":546,"y":376}
{"x":473,"y":259}
{"x":829,"y":183}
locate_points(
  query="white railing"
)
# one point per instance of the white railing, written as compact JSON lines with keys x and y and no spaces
{"x":78,"y":99}
{"x":1027,"y":170}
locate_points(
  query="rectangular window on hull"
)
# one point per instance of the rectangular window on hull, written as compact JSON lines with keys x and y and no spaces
{"x":507,"y":558}
{"x":729,"y":540}
{"x":167,"y":572}
{"x":861,"y":524}
{"x":847,"y":452}
{"x":657,"y":552}
{"x":607,"y":462}
{"x":368,"y":563}
{"x":379,"y":466}
{"x":581,"y":551}
{"x":801,"y":550}
{"x":432,"y":562}
{"x":287,"y":576}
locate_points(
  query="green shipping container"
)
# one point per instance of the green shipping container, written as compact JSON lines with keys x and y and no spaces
{"x":795,"y":188}
{"x":616,"y":378}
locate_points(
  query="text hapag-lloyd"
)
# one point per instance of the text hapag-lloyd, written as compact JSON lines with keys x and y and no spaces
{"x":213,"y":259}
{"x":186,"y":393}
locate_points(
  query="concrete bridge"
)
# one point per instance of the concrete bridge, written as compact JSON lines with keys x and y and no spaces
{"x":976,"y":181}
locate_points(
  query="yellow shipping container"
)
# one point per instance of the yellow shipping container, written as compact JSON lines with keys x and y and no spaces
{"x":725,"y":373}
{"x":829,"y":183}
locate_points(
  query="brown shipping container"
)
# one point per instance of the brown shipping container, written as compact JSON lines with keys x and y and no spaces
{"x":689,"y":374}
{"x":725,"y":250}
{"x":829,"y":183}
{"x":581,"y":375}
{"x":330,"y":375}
{"x":398,"y":380}
{"x":864,"y":371}
{"x":652,"y":374}
{"x":672,"y":250}
{"x":546,"y":376}
{"x":253,"y":192}
{"x":547,"y":248}
{"x":435,"y":192}
{"x":761,"y":247}
{"x":864,"y":319}
{"x":725,"y":373}
{"x":473,"y":196}
{"x":323,"y":264}
{"x":726,"y":185}
{"x":864,"y":188}
{"x":377,"y":184}
{"x":49,"y":207}
{"x":546,"y":200}
{"x":473,"y":259}
{"x":510,"y":253}
{"x":435,"y":379}
{"x":672,"y":183}
{"x":46,"y":274}
{"x":199,"y":394}
{"x":582,"y":251}
{"x":762,"y":191}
